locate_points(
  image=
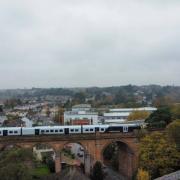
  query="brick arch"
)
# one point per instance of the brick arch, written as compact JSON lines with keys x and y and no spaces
{"x":88,"y":155}
{"x":128,"y":157}
{"x":106,"y":144}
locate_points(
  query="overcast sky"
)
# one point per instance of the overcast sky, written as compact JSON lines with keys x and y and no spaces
{"x":78,"y":43}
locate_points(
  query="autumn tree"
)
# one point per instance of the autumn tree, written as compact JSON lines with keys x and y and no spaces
{"x":138,"y":115}
{"x":163,"y":101}
{"x":175,"y":110}
{"x":48,"y":112}
{"x":173,"y":131}
{"x":158,"y":156}
{"x":59,"y":116}
{"x":143,"y":175}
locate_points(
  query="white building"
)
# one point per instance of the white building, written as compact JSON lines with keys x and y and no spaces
{"x":81,"y":112}
{"x":2,"y":119}
{"x":121,"y":115}
{"x":80,"y":115}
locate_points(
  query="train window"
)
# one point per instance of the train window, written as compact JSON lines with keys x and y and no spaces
{"x":15,"y":132}
{"x":47,"y":130}
{"x":10,"y":132}
{"x":60,"y":130}
{"x":76,"y":130}
{"x":51,"y":130}
{"x":0,"y":132}
{"x":42,"y":131}
{"x":72,"y":130}
{"x":91,"y":129}
{"x":86,"y":129}
{"x":56,"y":130}
{"x":102,"y":129}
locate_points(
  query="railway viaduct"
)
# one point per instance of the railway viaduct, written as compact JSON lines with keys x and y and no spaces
{"x":94,"y":145}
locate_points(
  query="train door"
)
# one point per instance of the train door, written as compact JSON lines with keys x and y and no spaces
{"x":66,"y":131}
{"x":97,"y":129}
{"x":5,"y":132}
{"x":125,"y":128}
{"x":36,"y":132}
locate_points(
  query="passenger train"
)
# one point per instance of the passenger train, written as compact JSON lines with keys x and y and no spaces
{"x":65,"y":130}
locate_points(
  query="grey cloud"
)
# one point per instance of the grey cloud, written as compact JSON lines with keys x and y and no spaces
{"x":89,"y":43}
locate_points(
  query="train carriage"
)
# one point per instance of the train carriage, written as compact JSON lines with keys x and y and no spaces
{"x":66,"y":130}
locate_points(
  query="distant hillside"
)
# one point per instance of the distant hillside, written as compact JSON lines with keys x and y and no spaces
{"x":129,"y":95}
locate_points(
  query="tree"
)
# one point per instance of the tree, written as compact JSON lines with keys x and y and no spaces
{"x":15,"y":171}
{"x":97,"y":172}
{"x":59,"y":116}
{"x":175,"y":110}
{"x":138,"y":115}
{"x":14,"y":164}
{"x":51,"y":164}
{"x":163,"y":101}
{"x":48,"y":112}
{"x":143,"y":175}
{"x":11,"y":103}
{"x":173,"y":131}
{"x":79,"y":97}
{"x":158,"y":155}
{"x":160,"y":118}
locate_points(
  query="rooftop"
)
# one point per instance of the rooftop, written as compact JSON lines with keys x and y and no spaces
{"x":133,"y":109}
{"x":82,"y":106}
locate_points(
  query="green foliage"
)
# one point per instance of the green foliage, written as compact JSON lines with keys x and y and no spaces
{"x":15,"y":155}
{"x":19,"y":164}
{"x":67,"y":152}
{"x":173,"y":131}
{"x":40,"y":171}
{"x":13,"y":164}
{"x":158,"y":156}
{"x":140,"y":133}
{"x":11,"y":103}
{"x":175,"y":110}
{"x":160,"y":118}
{"x":97,"y":172}
{"x":79,"y":98}
{"x":15,"y":171}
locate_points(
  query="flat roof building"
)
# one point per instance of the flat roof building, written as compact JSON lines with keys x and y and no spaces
{"x":121,"y":115}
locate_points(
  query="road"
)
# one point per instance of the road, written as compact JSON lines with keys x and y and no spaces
{"x":112,"y":175}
